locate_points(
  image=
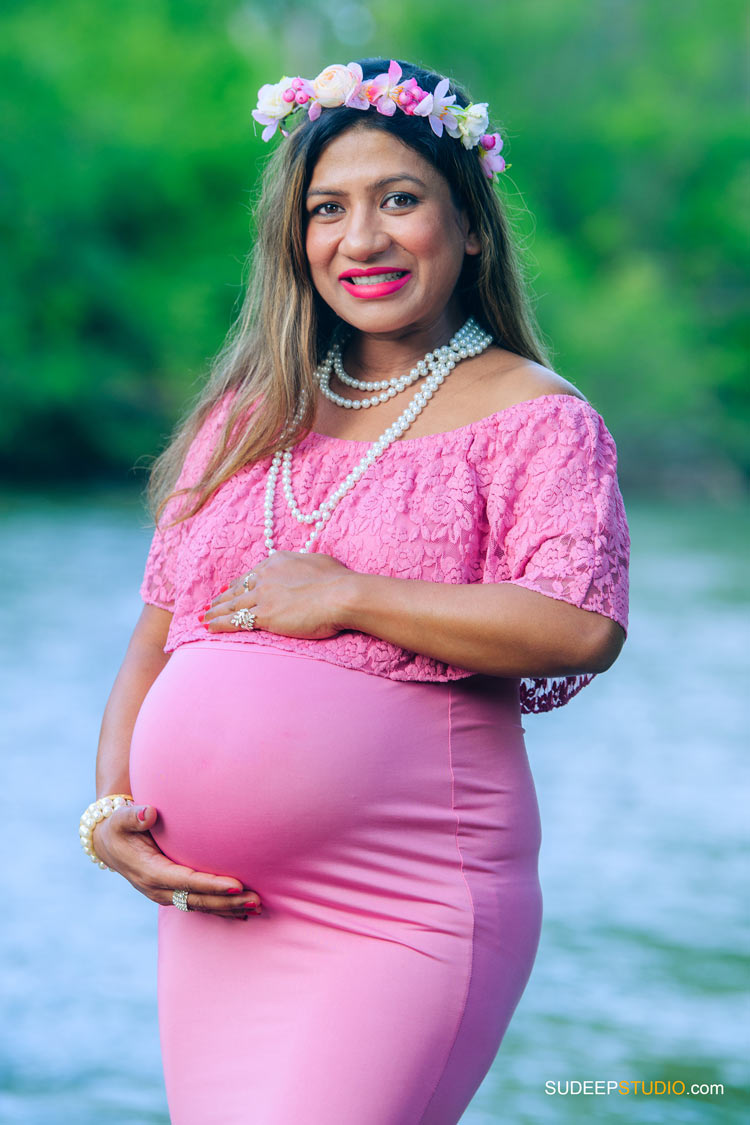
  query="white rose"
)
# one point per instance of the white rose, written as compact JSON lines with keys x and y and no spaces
{"x":473,"y":124}
{"x":271,"y":102}
{"x":333,"y":85}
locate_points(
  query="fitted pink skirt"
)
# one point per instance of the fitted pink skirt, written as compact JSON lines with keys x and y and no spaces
{"x":392,"y":832}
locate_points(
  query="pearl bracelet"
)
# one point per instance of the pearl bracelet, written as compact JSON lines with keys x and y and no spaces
{"x":97,"y":811}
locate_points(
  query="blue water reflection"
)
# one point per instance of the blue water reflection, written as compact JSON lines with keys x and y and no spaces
{"x":642,"y":783}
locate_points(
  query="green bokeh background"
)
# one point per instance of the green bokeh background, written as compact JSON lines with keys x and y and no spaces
{"x":129,"y":164}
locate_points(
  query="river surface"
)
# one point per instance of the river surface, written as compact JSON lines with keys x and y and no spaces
{"x":642,"y":783}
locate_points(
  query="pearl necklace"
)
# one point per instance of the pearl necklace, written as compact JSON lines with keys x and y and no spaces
{"x":458,"y":346}
{"x":474,"y":341}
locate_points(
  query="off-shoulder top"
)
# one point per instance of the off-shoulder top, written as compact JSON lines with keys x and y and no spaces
{"x":528,"y":495}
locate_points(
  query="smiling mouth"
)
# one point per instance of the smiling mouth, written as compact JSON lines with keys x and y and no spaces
{"x":375,"y":278}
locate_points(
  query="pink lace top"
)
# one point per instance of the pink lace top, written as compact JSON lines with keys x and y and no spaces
{"x":528,"y":495}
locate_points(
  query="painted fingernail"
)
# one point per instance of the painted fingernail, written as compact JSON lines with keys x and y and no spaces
{"x":141,"y":814}
{"x":234,"y":891}
{"x":252,"y":906}
{"x":223,"y":589}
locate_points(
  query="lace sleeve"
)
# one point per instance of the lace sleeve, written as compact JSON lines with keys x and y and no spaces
{"x":559,"y":527}
{"x":158,"y":585}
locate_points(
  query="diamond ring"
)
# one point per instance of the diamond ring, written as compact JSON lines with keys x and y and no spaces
{"x":179,"y":899}
{"x":243,"y":619}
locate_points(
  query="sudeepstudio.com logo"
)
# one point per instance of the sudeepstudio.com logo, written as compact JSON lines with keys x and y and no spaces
{"x":656,"y":1088}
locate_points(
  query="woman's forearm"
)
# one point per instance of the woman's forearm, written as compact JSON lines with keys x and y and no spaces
{"x":500,"y":629}
{"x":143,"y":662}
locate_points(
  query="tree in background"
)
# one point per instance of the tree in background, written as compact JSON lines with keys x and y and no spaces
{"x":127,"y":173}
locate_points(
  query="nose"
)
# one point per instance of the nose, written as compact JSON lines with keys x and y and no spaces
{"x":363,"y":237}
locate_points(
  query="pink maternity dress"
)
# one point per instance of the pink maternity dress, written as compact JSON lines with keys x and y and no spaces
{"x":380,"y":802}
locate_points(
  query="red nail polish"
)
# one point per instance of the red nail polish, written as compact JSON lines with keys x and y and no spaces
{"x":223,"y":589}
{"x":233,"y":891}
{"x":207,"y":606}
{"x":141,"y":814}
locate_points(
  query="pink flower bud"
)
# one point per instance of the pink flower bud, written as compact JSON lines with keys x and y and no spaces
{"x":405,"y":98}
{"x":302,"y":98}
{"x":288,"y":95}
{"x":488,"y":141}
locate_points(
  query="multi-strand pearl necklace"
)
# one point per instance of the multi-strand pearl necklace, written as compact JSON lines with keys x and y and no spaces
{"x":468,"y":341}
{"x":457,"y":347}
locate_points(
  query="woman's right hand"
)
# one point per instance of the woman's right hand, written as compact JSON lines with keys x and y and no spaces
{"x":124,"y":842}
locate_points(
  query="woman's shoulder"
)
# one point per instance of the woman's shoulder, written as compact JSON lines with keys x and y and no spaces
{"x":509,"y":380}
{"x":495,"y":391}
{"x":530,"y":411}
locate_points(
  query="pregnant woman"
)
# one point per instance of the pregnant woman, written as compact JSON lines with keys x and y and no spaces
{"x":385,"y":532}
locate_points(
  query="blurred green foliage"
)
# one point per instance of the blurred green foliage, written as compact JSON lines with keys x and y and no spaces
{"x":127,"y":175}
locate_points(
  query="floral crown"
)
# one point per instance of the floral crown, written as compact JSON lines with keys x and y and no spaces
{"x":344,"y":85}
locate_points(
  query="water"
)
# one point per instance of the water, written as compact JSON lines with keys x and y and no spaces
{"x":641,"y":782}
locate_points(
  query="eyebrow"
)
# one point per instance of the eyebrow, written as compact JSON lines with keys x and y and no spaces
{"x":377,"y":184}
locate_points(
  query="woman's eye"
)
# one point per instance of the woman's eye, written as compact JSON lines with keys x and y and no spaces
{"x":323,"y":209}
{"x":401,"y":199}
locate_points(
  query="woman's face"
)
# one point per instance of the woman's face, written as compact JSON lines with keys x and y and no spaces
{"x":376,"y":208}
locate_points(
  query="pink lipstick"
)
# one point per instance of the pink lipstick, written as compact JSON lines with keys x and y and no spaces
{"x":371,"y":289}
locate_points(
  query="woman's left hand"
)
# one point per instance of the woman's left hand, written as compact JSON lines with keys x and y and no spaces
{"x":291,"y":594}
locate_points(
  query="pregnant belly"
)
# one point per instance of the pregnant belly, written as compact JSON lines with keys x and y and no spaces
{"x":259,"y":761}
{"x":311,"y":781}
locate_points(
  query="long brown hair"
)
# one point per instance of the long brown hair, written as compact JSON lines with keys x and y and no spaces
{"x":284,"y":327}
